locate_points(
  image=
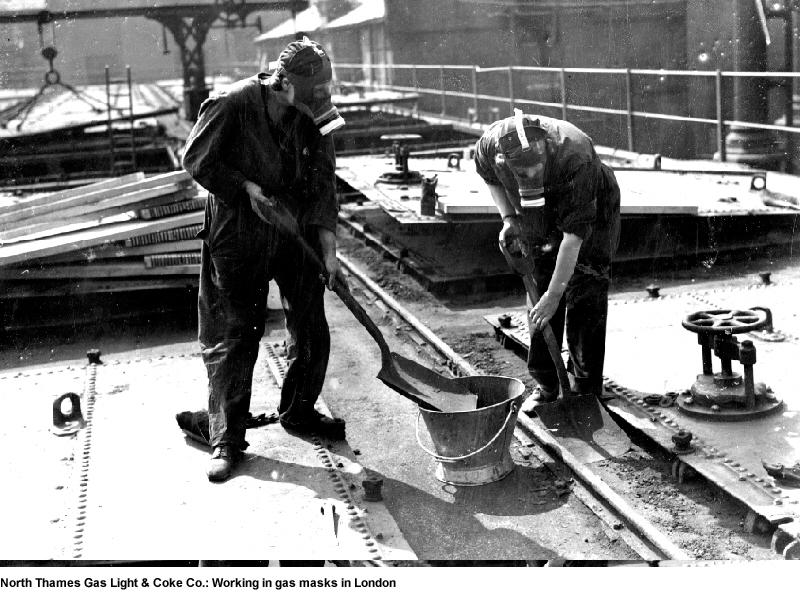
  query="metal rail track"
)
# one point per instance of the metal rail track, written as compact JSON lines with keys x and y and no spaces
{"x":643,"y":537}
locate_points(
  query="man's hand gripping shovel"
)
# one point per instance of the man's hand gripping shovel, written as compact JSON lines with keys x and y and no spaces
{"x":572,"y":415}
{"x":427,"y":388}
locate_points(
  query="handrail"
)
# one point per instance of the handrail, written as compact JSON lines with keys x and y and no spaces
{"x":587,"y":70}
{"x":471,"y":94}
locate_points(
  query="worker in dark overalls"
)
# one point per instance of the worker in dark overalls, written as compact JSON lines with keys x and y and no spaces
{"x":263,"y":148}
{"x":560,"y":208}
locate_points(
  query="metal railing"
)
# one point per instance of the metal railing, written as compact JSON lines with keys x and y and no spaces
{"x":465,"y":86}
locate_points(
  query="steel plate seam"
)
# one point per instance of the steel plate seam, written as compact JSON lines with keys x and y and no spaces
{"x":277,"y":368}
{"x":83,"y":470}
{"x":459,"y":364}
{"x":37,"y":373}
{"x":636,"y":400}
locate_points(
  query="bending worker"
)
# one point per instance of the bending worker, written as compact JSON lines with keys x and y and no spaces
{"x":560,"y":208}
{"x":262,"y":148}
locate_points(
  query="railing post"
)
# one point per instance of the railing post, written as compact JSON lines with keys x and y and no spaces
{"x":563,"y":77}
{"x":130,"y":117}
{"x":109,"y":126}
{"x":444,"y":95}
{"x":721,"y":151}
{"x":415,"y":84}
{"x":511,"y":90}
{"x":629,"y":109}
{"x":475,"y":91}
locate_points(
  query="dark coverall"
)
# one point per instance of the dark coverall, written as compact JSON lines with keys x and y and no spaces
{"x":234,"y":141}
{"x":581,"y":197}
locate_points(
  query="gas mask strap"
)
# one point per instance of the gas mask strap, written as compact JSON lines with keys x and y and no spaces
{"x":523,"y":139}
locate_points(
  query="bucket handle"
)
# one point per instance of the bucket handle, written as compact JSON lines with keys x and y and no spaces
{"x":514,"y":407}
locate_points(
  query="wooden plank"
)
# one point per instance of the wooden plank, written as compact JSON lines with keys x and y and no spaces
{"x":29,"y":212}
{"x":92,"y":215}
{"x":96,"y":271}
{"x":162,"y":237}
{"x":46,"y":288}
{"x":165,"y":210}
{"x":16,"y":253}
{"x":83,"y":190}
{"x":114,"y":251}
{"x":88,"y":318}
{"x":171,"y":259}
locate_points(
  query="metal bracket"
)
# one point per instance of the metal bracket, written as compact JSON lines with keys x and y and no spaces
{"x":65,"y":424}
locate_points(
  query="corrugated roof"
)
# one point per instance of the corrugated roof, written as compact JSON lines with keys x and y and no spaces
{"x":307,"y":21}
{"x":368,"y":12}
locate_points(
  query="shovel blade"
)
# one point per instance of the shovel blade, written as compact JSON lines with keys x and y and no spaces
{"x":429,"y":389}
{"x":587,"y":430}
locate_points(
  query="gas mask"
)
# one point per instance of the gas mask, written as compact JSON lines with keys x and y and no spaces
{"x":312,"y":96}
{"x":522,"y":148}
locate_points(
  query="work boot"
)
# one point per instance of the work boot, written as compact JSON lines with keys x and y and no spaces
{"x":223,"y":460}
{"x":539,"y":396}
{"x":312,"y":422}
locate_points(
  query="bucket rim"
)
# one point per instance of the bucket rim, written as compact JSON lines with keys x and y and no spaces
{"x":491,"y":406}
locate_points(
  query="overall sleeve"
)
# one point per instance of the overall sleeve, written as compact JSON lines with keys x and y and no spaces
{"x":577,"y":209}
{"x":204,"y":156}
{"x":323,"y":210}
{"x":484,"y":159}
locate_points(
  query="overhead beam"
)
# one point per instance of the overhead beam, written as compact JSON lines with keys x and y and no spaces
{"x":151,"y":12}
{"x":188,"y":23}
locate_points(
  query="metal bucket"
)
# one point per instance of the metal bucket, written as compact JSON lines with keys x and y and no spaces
{"x":472,"y":447}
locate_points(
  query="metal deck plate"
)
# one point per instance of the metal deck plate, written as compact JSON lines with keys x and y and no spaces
{"x":36,"y":465}
{"x":140,"y":489}
{"x":463,"y":194}
{"x":649,"y":352}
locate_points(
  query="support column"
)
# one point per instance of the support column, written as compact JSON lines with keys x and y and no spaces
{"x":793,"y":23}
{"x":190,"y":35}
{"x":757,"y":147}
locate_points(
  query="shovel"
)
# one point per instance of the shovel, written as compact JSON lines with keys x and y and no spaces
{"x":573,"y":415}
{"x":429,"y":389}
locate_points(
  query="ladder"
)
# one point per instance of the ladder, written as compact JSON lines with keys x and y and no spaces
{"x":117,"y":164}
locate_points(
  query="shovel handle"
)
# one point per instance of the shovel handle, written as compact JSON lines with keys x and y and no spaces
{"x":523,"y":266}
{"x":287,"y":224}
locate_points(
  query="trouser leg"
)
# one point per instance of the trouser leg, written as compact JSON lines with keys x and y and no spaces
{"x":231,"y":315}
{"x":302,"y":295}
{"x":586,"y":318}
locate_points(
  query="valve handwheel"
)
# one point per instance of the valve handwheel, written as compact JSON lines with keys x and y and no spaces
{"x":726,"y":321}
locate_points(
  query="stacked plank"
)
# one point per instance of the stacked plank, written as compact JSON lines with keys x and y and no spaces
{"x":122,"y":235}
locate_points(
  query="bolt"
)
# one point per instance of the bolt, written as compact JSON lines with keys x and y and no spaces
{"x":765,"y":277}
{"x":372,"y":489}
{"x":682,"y":440}
{"x":652,"y":290}
{"x":94,"y":356}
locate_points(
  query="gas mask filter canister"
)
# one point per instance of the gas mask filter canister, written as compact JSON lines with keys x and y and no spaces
{"x":313,"y":96}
